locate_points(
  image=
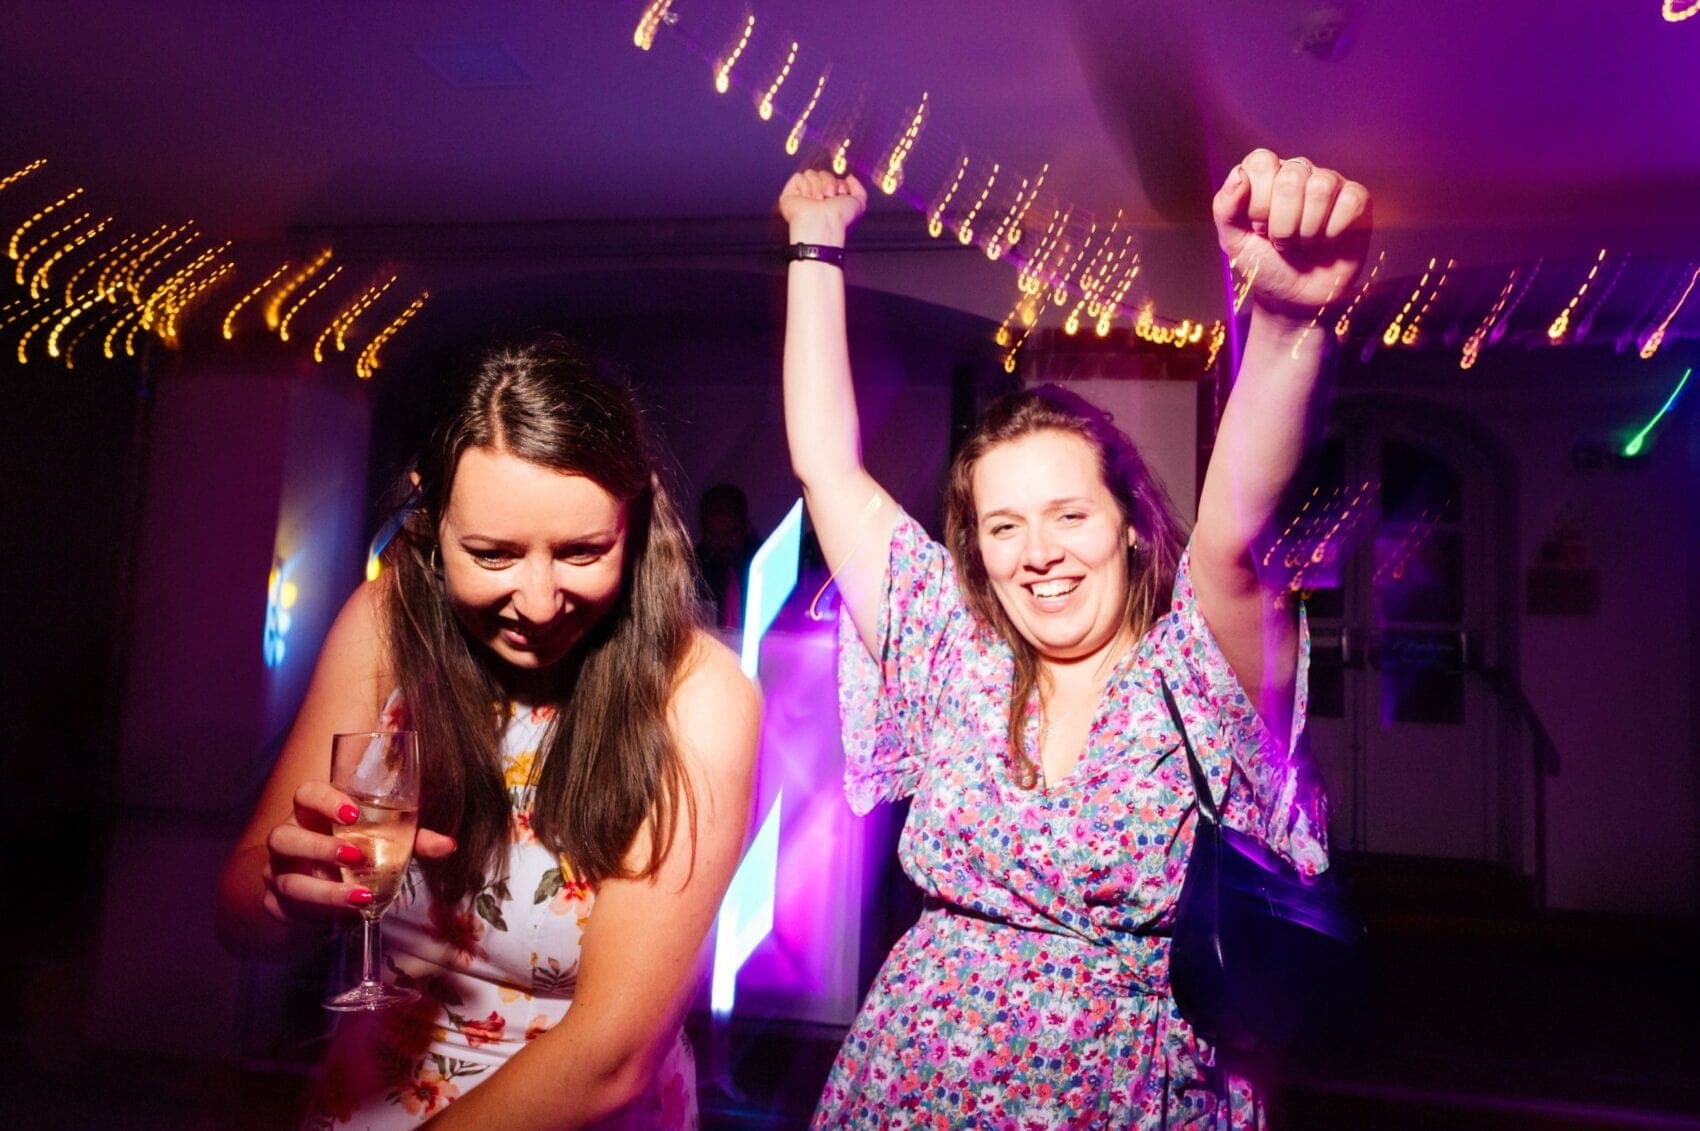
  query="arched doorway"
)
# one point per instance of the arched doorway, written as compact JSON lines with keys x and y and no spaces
{"x":1422,"y":756}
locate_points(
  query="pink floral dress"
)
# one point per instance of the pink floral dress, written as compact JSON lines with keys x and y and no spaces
{"x":497,"y":970}
{"x":1033,"y":992}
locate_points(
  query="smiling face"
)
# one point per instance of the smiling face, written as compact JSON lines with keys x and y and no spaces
{"x":532,"y":557}
{"x":1054,"y":544}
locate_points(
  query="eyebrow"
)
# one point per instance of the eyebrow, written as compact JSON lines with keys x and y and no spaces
{"x":1054,"y":504}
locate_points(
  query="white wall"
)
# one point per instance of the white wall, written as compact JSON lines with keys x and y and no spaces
{"x":1616,"y":688}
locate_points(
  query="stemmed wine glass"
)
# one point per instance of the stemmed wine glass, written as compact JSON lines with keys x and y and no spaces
{"x":379,"y":770}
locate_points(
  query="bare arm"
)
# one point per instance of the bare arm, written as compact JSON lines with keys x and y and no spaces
{"x":1300,"y":233}
{"x":852,"y":514}
{"x":637,"y":966}
{"x":280,"y":890}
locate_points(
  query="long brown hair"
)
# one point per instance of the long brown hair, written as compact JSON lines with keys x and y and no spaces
{"x":608,"y":762}
{"x":1152,"y":560}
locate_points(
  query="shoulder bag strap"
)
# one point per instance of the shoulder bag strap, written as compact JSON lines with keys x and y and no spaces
{"x":1200,"y":783}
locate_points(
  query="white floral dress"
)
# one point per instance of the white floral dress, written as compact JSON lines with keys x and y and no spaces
{"x":497,"y":970}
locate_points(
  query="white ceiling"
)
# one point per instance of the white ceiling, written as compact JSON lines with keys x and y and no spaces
{"x":1561,"y":121}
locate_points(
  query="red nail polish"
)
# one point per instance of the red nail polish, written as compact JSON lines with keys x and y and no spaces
{"x":347,"y":854}
{"x":360,"y":897}
{"x":348,"y":814}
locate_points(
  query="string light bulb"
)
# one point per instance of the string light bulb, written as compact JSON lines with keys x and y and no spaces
{"x":935,"y":221}
{"x":17,"y":175}
{"x":840,"y":163}
{"x":1473,"y":344}
{"x":643,"y":37}
{"x":1344,"y":325}
{"x":965,"y":231}
{"x":24,"y":257}
{"x":273,"y":309}
{"x":38,"y":281}
{"x":283,"y":324}
{"x":1675,"y":11}
{"x":723,"y":69}
{"x":764,"y":108}
{"x":794,"y":139}
{"x":367,"y":363}
{"x":1390,"y":336}
{"x":1657,"y":337}
{"x":228,"y":328}
{"x":18,"y":235}
{"x":1561,"y":324}
{"x":893,"y":175}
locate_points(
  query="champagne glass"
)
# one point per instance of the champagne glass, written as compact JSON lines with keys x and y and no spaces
{"x":379,"y":770}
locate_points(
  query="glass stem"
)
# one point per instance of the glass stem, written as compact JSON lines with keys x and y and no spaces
{"x":369,"y":949}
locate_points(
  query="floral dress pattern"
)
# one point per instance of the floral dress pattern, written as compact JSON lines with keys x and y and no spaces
{"x":496,"y":970}
{"x":1033,"y":992}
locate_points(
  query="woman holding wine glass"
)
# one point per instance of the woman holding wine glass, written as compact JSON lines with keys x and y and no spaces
{"x":586,"y":759}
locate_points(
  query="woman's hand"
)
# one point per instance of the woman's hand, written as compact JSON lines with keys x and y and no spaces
{"x":1297,"y":232}
{"x":301,"y":876}
{"x":820,"y":208}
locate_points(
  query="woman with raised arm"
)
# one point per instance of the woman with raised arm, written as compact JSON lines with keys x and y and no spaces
{"x":1008,"y":681}
{"x":587,"y":759}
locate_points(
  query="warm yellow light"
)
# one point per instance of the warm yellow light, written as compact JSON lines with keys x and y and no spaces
{"x":653,"y":16}
{"x":339,"y":326}
{"x":96,"y":261}
{"x":23,"y":342}
{"x":367,"y":363}
{"x":935,"y":220}
{"x":1009,"y":232}
{"x":228,"y":327}
{"x":24,"y":257}
{"x":1473,"y":344}
{"x":1218,"y":335}
{"x":1657,"y":337}
{"x":39,"y":280}
{"x":110,"y":279}
{"x":283,"y":325}
{"x":186,"y":294}
{"x":794,"y":139}
{"x":109,"y":346}
{"x":1673,"y":11}
{"x":1033,"y":276}
{"x":12,"y":178}
{"x":18,"y":235}
{"x":764,"y":108}
{"x":1344,"y":325}
{"x":1390,"y":336}
{"x":374,"y":566}
{"x":59,"y":326}
{"x":1561,"y":324}
{"x":274,"y":305}
{"x":900,"y":148}
{"x":723,"y":69}
{"x":135,"y":274}
{"x":160,"y":299}
{"x":76,"y":339}
{"x":1060,"y":294}
{"x":1413,"y":328}
{"x":839,"y":162}
{"x":965,"y":232}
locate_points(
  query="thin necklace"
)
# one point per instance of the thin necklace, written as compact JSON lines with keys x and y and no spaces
{"x":1048,"y":725}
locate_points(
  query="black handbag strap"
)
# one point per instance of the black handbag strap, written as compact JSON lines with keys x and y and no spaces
{"x":1200,"y":784}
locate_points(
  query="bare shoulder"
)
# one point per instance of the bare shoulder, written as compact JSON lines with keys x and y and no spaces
{"x":716,"y":709}
{"x":354,"y":658}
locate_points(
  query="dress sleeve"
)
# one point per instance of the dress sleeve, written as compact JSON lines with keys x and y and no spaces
{"x":887,"y":704}
{"x":1289,"y":810}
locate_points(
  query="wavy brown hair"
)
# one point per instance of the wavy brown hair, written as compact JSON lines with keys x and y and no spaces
{"x":1145,"y":506}
{"x":608,"y":761}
